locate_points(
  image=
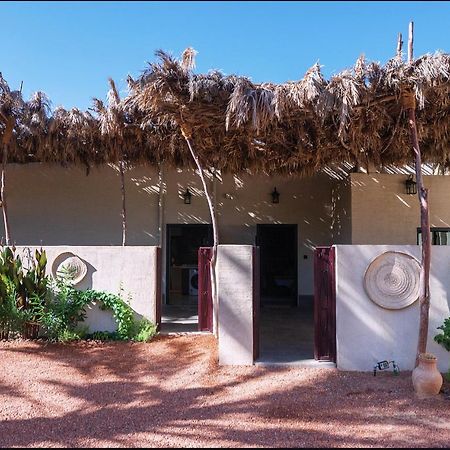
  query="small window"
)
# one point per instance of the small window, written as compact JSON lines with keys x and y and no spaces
{"x":439,"y":236}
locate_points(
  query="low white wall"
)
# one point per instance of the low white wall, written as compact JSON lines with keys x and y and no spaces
{"x":235,"y":289}
{"x":367,"y":333}
{"x":110,"y":269}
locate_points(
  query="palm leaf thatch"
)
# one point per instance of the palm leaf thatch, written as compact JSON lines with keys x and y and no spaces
{"x":237,"y":125}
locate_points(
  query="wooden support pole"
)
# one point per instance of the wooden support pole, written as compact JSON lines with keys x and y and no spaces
{"x":399,"y":46}
{"x":124,"y":208}
{"x":6,"y":139}
{"x":422,"y":192}
{"x":187,"y":137}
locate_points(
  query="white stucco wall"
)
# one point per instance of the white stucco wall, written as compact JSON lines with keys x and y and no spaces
{"x":110,"y":269}
{"x":235,"y":292}
{"x":367,"y":333}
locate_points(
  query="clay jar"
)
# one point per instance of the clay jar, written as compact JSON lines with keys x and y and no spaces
{"x":426,"y":378}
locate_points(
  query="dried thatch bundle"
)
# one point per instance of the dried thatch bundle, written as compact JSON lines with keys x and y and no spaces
{"x":302,"y":126}
{"x":235,"y":125}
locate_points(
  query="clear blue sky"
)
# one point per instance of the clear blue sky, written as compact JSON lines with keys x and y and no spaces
{"x":69,"y":49}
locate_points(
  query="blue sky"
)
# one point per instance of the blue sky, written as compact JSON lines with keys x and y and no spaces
{"x":69,"y":49}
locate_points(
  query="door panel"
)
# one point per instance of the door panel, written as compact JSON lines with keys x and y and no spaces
{"x":324,"y":304}
{"x":205,"y":302}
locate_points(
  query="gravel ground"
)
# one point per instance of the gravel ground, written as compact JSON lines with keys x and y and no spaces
{"x":171,"y":393}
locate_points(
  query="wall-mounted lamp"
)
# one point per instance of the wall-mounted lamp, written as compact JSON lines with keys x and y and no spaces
{"x":187,"y":197}
{"x":411,"y":186}
{"x":275,"y":196}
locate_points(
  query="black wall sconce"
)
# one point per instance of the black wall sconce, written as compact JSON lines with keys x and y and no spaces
{"x":275,"y":196}
{"x":411,"y":186}
{"x":187,"y":197}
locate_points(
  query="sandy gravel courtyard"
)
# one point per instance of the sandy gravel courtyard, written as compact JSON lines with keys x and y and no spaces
{"x":172,"y":393}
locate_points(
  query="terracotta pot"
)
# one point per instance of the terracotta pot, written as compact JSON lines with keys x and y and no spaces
{"x":31,"y":330}
{"x":426,"y":378}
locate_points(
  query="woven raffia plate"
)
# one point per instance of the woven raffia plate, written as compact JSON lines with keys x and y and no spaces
{"x":67,"y":262}
{"x":392,"y":280}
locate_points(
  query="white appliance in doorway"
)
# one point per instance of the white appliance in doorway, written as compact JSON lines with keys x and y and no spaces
{"x":193,"y":281}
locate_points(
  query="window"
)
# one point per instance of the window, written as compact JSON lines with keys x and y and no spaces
{"x":439,"y":236}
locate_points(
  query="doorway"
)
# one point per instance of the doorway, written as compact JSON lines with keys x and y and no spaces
{"x":180,"y":310}
{"x":286,"y":327}
{"x":278,"y":264}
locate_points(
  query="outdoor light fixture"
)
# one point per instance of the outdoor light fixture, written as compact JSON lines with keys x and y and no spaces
{"x":411,"y":186}
{"x":275,"y":196}
{"x":187,"y":197}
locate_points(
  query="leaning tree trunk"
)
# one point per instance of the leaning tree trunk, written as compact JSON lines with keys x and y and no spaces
{"x":409,"y":104}
{"x":5,"y":141}
{"x":187,"y":136}
{"x":124,"y":209}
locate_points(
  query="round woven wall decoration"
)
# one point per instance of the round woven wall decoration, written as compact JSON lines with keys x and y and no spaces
{"x":392,"y":280}
{"x":69,"y":263}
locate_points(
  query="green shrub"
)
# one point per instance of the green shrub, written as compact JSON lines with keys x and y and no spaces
{"x":144,"y":331}
{"x":444,"y":337}
{"x":29,"y":295}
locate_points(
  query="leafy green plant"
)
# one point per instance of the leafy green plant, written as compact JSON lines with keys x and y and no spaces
{"x":26,"y":283}
{"x":444,"y":337}
{"x":144,"y":331}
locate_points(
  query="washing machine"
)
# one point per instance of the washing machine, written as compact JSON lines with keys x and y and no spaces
{"x":193,"y":281}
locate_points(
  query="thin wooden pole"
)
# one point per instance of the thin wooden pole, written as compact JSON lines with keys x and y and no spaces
{"x":422,"y":192}
{"x":3,"y":196}
{"x":5,"y":141}
{"x":124,"y":208}
{"x":187,"y":137}
{"x":399,"y":46}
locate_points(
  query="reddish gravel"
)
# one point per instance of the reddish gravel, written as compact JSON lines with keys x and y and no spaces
{"x":172,"y":393}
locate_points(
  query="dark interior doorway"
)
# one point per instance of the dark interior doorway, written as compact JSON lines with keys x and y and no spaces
{"x":180,"y":311}
{"x":286,"y":328}
{"x":278,"y":253}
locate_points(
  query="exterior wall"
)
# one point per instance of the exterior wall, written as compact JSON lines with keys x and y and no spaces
{"x":342,"y":211}
{"x":383,"y":214}
{"x":52,"y":205}
{"x":110,"y":269}
{"x":236,"y":290}
{"x":367,"y":333}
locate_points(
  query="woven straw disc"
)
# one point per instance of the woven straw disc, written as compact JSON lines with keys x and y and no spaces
{"x":392,"y":280}
{"x":76,"y":266}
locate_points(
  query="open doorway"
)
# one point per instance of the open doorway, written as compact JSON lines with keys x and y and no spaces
{"x":180,"y":311}
{"x":286,"y":327}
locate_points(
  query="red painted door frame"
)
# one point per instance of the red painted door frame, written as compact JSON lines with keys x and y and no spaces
{"x":205,"y":302}
{"x":324,"y":304}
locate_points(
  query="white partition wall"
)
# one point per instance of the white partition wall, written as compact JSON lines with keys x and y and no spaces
{"x":367,"y":333}
{"x":235,"y":268}
{"x":133,"y":271}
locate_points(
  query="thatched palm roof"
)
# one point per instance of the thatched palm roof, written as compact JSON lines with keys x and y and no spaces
{"x":235,"y":124}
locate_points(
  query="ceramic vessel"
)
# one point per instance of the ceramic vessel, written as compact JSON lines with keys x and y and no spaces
{"x":426,"y":378}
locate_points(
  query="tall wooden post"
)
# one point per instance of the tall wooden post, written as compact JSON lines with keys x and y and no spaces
{"x":187,"y":134}
{"x":409,"y":104}
{"x":7,"y":135}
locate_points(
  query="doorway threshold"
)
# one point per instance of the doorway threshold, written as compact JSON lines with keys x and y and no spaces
{"x":183,"y":333}
{"x":301,"y":363}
